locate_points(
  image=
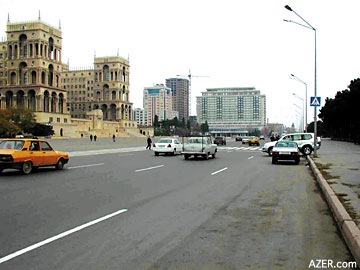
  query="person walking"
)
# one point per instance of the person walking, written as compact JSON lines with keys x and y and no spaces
{"x":148,"y":143}
{"x":91,"y":137}
{"x":113,"y":137}
{"x":95,"y":137}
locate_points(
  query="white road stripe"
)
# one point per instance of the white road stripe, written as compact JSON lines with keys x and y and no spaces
{"x":124,"y":155}
{"x":256,"y":148}
{"x":219,"y":171}
{"x":150,"y":168}
{"x":83,"y":166}
{"x":56,"y":237}
{"x":251,"y":157}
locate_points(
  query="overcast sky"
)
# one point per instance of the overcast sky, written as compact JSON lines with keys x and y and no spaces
{"x":236,"y":43}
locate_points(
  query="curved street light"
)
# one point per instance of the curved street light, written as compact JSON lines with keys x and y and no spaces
{"x":303,"y":121}
{"x":305,"y":103}
{"x":309,"y":26}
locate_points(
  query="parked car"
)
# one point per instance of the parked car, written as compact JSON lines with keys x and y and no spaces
{"x":254,"y":140}
{"x":284,"y":150}
{"x":305,"y":142}
{"x":220,"y":140}
{"x":199,"y":146}
{"x":245,"y":140}
{"x":262,"y":137}
{"x":167,"y":146}
{"x":238,"y":139}
{"x":27,"y":154}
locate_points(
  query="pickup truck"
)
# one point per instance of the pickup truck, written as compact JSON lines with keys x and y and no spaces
{"x":199,"y":146}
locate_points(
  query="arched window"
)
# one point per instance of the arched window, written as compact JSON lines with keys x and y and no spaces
{"x":51,"y":75}
{"x":31,"y":50}
{"x":112,"y":112}
{"x":31,"y":100}
{"x":113,"y":95}
{"x":46,"y":101}
{"x":20,"y":99}
{"x":10,"y":52}
{"x":123,"y":93}
{"x":41,"y":50}
{"x":104,"y":109}
{"x":98,"y":95}
{"x":57,"y":81}
{"x":43,"y":77}
{"x":9,"y":99}
{"x":15,"y":51}
{"x":53,"y":102}
{"x":51,"y":48}
{"x":124,"y":74}
{"x":23,"y":73}
{"x":61,"y":103}
{"x":36,"y":49}
{"x":22,"y":45}
{"x":106,"y":73}
{"x":116,"y":76}
{"x":13,"y":78}
{"x":106,"y":95}
{"x":33,"y":77}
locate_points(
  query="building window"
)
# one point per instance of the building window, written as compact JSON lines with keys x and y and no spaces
{"x":58,"y":120}
{"x":50,"y":119}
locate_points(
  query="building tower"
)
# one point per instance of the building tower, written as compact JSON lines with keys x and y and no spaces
{"x":180,"y":96}
{"x":30,"y":71}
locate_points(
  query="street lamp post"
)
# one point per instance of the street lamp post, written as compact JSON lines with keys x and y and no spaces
{"x":301,"y":116}
{"x":303,"y":121}
{"x":306,"y":100}
{"x":308,"y":25}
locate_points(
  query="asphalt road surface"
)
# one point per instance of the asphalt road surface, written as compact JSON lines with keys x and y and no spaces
{"x":137,"y":211}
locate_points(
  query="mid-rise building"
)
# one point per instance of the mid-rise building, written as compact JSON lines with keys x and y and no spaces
{"x":231,"y":111}
{"x":157,"y":101}
{"x":31,"y":71}
{"x":140,"y":116}
{"x":180,"y":96}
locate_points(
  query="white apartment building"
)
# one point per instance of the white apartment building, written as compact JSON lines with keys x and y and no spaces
{"x":231,"y":111}
{"x":140,"y":116}
{"x":157,"y":101}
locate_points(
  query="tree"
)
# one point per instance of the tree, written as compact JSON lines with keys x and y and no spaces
{"x":42,"y":130}
{"x":16,"y":120}
{"x":205,"y":127}
{"x":156,"y":121}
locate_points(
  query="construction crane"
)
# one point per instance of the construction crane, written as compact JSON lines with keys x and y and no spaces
{"x":190,"y":76}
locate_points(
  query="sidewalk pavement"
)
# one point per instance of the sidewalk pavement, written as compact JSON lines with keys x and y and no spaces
{"x":336,"y":170}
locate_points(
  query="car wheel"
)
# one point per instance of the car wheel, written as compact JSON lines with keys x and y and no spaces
{"x":26,"y":168}
{"x":174,"y":152}
{"x":270,"y":151}
{"x":60,"y":164}
{"x":307,"y":150}
{"x":156,"y":153}
{"x":186,"y":157}
{"x":274,"y":160}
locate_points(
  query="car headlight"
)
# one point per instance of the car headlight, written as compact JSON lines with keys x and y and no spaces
{"x":6,"y":158}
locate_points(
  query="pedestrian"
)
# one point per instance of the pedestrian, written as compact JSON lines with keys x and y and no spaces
{"x":91,"y":137}
{"x":148,"y":143}
{"x":113,"y":137}
{"x":95,"y":137}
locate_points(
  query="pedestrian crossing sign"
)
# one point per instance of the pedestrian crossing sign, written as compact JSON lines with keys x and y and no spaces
{"x":315,"y":101}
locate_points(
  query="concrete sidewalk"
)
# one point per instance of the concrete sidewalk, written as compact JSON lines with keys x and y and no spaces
{"x":336,"y":170}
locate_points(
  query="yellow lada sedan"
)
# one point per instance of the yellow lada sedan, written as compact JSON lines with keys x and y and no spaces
{"x":27,"y":154}
{"x":254,"y":140}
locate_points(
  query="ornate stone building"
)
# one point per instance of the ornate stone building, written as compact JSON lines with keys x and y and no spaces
{"x":30,"y":71}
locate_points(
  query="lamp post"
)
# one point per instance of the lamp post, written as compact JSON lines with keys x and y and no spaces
{"x":309,"y":26}
{"x":306,"y":100}
{"x":301,"y":116}
{"x":303,"y":122}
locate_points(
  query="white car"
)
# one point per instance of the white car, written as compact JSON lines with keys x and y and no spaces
{"x":199,"y":146}
{"x":167,"y":146}
{"x":305,"y":141}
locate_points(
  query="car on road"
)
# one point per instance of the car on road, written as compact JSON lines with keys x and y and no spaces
{"x":284,"y":150}
{"x":262,"y":137}
{"x":238,"y":139}
{"x":245,"y":139}
{"x":254,"y":140}
{"x":28,"y":154}
{"x":220,"y":140}
{"x":199,"y":146}
{"x":167,"y":146}
{"x":305,"y":142}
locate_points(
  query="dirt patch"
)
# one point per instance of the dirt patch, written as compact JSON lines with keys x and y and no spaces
{"x":323,"y":169}
{"x":348,"y":185}
{"x":349,"y":208}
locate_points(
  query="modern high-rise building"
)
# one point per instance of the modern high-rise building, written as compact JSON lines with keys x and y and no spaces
{"x":140,"y":116}
{"x":157,"y":101}
{"x":180,"y":96}
{"x":231,"y":111}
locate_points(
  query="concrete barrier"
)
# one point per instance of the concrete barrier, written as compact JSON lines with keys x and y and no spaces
{"x":347,"y":226}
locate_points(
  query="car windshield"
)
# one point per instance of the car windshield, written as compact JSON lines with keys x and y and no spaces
{"x":195,"y":140}
{"x":165,"y":141}
{"x":12,"y":144}
{"x":218,"y":138}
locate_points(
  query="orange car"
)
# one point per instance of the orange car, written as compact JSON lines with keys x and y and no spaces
{"x":254,"y":140}
{"x":26,"y":154}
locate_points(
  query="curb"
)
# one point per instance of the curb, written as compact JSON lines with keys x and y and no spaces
{"x":347,"y":226}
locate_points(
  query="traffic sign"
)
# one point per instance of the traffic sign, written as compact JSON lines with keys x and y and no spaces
{"x":315,"y":101}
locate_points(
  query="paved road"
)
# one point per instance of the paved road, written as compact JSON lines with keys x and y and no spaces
{"x":237,"y":211}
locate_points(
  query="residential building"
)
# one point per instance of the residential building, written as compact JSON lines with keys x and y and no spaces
{"x":157,"y":101}
{"x":180,"y":96}
{"x":232,"y":111}
{"x":140,"y":116}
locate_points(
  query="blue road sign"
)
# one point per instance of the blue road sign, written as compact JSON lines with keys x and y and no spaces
{"x":315,"y":101}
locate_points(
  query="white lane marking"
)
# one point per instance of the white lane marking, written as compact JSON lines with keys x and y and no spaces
{"x":219,"y":171}
{"x":251,"y":157}
{"x":256,"y":148}
{"x":124,"y":155}
{"x":83,"y":166}
{"x":150,"y":168}
{"x":56,"y":237}
{"x":247,"y":148}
